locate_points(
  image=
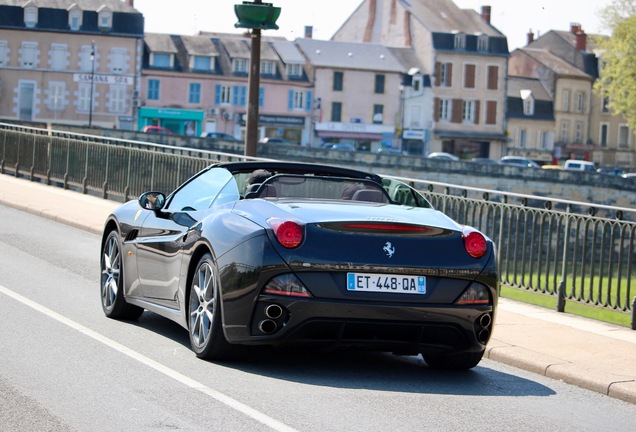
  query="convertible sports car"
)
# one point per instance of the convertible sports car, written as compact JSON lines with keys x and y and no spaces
{"x":278,"y":253}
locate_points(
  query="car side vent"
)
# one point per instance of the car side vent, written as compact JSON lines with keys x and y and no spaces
{"x":131,"y":235}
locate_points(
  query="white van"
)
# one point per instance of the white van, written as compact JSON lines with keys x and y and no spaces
{"x":579,"y":165}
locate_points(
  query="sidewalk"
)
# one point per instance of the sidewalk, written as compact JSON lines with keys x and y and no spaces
{"x":583,"y":352}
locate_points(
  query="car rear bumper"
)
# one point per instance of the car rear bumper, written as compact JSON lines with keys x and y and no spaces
{"x":386,"y":327}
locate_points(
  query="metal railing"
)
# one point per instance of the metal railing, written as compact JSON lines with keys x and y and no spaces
{"x":573,"y":251}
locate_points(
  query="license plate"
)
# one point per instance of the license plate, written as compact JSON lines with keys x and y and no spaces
{"x":374,"y":282}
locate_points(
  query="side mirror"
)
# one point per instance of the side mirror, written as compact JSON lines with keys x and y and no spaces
{"x":152,"y":200}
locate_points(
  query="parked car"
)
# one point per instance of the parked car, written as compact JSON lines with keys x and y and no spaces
{"x":518,"y":161}
{"x":221,"y":136}
{"x":443,"y":155}
{"x":157,"y":129}
{"x":240,"y":265}
{"x":629,"y":176}
{"x":610,"y":171}
{"x":551,"y":167}
{"x":390,"y":150}
{"x":271,"y":140}
{"x":579,"y":165}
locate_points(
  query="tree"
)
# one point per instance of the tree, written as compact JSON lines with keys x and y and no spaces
{"x":617,"y":59}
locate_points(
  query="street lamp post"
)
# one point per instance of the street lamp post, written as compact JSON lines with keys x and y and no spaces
{"x":256,"y":16}
{"x":90,"y":109}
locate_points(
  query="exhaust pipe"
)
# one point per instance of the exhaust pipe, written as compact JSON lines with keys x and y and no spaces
{"x":267,"y":326}
{"x":485,"y":320}
{"x":483,"y":336}
{"x":273,"y":311}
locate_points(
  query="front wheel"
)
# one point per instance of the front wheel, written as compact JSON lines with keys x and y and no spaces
{"x":462,"y":361}
{"x":111,"y":285}
{"x":204,"y":314}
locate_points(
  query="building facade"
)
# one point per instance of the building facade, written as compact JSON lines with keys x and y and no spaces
{"x":70,"y":62}
{"x":467,"y":57}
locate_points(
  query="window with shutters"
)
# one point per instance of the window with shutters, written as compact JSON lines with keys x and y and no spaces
{"x":117,"y":98}
{"x":522,"y":138}
{"x":85,"y":61}
{"x":565,"y":103}
{"x":445,"y":75}
{"x":224,"y":94}
{"x":4,"y":53}
{"x":58,"y":57}
{"x":194,"y":95}
{"x":468,"y":111}
{"x":28,"y":55}
{"x":55,"y":95}
{"x":118,"y":60}
{"x":445,"y":110}
{"x":84,"y":97}
{"x":546,"y":140}
{"x":469,"y":76}
{"x":493,"y":78}
{"x":580,"y":99}
{"x":153,"y":89}
{"x":491,"y":112}
{"x":578,"y":132}
{"x":565,"y":131}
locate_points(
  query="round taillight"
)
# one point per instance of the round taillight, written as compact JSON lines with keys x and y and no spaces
{"x":475,"y":244}
{"x":288,"y":233}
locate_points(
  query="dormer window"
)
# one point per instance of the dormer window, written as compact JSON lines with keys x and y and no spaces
{"x":239,"y":65}
{"x":416,"y":84}
{"x":75,"y":18}
{"x":202,"y":63}
{"x":268,"y":67}
{"x":482,"y":43}
{"x":105,"y":19}
{"x":294,"y":70}
{"x":163,"y":60}
{"x":528,"y":102}
{"x":30,"y":15}
{"x":460,"y":41}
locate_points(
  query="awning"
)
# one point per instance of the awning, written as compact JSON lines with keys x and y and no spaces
{"x":350,"y":135}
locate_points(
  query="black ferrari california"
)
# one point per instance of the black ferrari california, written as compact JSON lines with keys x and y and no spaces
{"x":278,"y":253}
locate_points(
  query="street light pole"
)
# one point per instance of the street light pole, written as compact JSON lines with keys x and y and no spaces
{"x":251,"y":132}
{"x":90,"y":110}
{"x":256,"y":16}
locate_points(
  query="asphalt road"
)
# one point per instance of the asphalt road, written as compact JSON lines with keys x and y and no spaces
{"x":65,"y":367}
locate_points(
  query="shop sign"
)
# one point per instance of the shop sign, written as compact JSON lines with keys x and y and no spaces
{"x":102,"y":79}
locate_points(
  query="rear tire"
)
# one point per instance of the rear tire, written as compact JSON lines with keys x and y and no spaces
{"x":111,"y":286}
{"x":462,"y":361}
{"x":204,"y":314}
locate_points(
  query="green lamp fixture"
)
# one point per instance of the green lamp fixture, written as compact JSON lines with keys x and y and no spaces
{"x":256,"y":15}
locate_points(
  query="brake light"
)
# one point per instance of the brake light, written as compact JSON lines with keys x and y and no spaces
{"x":475,"y":243}
{"x":476,"y":294}
{"x":288,"y":233}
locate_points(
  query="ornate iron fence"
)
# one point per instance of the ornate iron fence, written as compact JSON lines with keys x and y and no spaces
{"x":573,"y":251}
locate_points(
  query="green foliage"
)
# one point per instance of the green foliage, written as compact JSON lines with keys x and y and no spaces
{"x":617,"y":63}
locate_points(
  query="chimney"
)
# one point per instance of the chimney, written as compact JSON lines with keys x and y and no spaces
{"x":530,"y":37}
{"x":581,"y":41}
{"x":485,"y":13}
{"x":309,"y":32}
{"x":575,"y":27}
{"x":130,"y":3}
